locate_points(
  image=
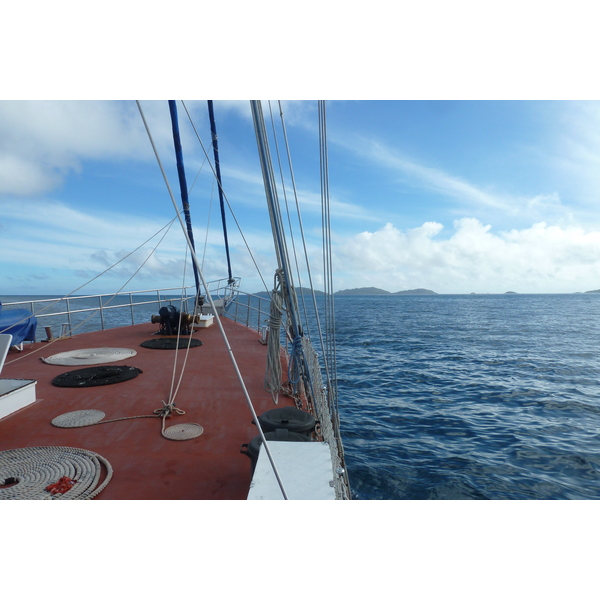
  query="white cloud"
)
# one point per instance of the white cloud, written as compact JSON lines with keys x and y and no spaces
{"x":538,"y":259}
{"x":22,"y":176}
{"x":41,"y":142}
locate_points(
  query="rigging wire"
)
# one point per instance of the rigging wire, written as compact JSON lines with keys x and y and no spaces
{"x":275,"y":215}
{"x":105,"y":304}
{"x":208,"y":222}
{"x":301,"y":226}
{"x":215,"y":312}
{"x":226,"y":199}
{"x":287,"y":210}
{"x":327,"y":259}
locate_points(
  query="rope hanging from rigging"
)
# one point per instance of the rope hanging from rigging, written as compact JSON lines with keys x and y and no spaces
{"x":273,"y":371}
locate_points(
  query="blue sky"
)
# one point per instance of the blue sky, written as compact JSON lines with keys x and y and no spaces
{"x":454,"y":196}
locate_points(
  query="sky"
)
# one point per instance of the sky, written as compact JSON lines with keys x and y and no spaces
{"x":456,"y":196}
{"x":463,"y":144}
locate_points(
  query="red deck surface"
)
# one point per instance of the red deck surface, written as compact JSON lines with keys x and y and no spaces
{"x":146,"y":464}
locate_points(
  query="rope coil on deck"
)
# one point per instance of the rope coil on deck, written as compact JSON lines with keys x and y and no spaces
{"x":32,"y":470}
{"x":90,"y":356}
{"x":86,"y":418}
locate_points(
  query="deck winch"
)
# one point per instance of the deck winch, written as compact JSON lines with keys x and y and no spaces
{"x":173,"y":322}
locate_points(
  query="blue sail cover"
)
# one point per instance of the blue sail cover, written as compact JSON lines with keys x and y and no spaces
{"x":19,"y":323}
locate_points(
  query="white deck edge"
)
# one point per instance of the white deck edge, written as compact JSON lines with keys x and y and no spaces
{"x":304,"y":467}
{"x":16,"y":394}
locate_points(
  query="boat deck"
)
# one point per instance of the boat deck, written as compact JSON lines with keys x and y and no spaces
{"x":148,"y":466}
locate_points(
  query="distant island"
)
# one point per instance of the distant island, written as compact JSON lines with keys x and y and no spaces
{"x":365,"y":291}
{"x":373,"y":291}
{"x":300,"y":291}
{"x":308,"y":292}
{"x":593,"y":292}
{"x":417,"y":292}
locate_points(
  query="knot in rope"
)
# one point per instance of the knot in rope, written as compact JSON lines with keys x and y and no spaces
{"x":167,"y":409}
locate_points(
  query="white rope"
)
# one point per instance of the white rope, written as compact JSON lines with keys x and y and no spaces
{"x":173,"y":394}
{"x":215,"y":312}
{"x":273,"y":371}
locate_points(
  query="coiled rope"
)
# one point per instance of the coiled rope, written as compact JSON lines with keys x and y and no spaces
{"x":35,"y":472}
{"x":272,"y":380}
{"x":87,"y":418}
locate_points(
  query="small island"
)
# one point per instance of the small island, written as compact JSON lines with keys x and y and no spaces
{"x":417,"y":292}
{"x":364,"y":291}
{"x":373,"y":291}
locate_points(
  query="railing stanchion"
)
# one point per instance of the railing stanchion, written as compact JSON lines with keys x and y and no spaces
{"x":101,"y":312}
{"x":69,"y":314}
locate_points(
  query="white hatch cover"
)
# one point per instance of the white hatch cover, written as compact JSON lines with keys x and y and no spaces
{"x":304,"y":467}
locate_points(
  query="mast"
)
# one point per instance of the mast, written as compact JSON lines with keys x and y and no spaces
{"x":281,"y":250}
{"x":183,"y":184}
{"x":215,"y":145}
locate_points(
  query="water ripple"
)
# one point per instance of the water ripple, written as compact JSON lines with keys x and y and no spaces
{"x":471,"y":397}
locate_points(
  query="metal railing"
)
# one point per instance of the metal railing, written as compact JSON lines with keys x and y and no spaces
{"x":103,"y":311}
{"x":249,"y":309}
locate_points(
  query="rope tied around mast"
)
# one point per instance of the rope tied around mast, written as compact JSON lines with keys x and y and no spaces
{"x":272,"y":380}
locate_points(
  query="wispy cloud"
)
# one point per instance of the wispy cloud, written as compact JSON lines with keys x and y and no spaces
{"x":464,"y":196}
{"x":434,"y":179}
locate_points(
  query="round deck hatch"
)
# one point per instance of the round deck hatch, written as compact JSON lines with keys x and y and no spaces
{"x":94,"y":376}
{"x":170,"y":343}
{"x":287,"y":417}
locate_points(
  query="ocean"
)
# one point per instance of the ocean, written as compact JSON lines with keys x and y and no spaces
{"x":470,"y":396}
{"x":461,"y":396}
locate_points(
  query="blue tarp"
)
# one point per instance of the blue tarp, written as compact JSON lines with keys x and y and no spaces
{"x":19,"y":323}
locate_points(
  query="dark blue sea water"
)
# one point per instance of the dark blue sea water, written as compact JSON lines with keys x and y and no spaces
{"x":461,"y":397}
{"x":470,"y":397}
